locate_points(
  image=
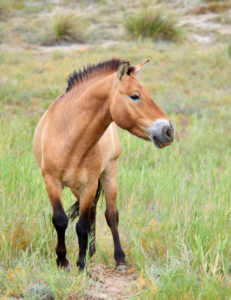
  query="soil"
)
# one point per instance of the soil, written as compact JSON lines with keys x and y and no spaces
{"x":110,"y":284}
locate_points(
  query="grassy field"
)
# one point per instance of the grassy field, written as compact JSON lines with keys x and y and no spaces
{"x":174,"y":203}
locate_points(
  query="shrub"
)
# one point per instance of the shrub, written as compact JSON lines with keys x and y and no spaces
{"x":153,"y":24}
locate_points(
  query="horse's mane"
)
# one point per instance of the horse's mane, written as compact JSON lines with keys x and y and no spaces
{"x":104,"y":68}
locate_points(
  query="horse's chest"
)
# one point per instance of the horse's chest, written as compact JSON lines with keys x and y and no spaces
{"x":80,"y":174}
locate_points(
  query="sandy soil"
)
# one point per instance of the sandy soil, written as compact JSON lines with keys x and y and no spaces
{"x":110,"y":284}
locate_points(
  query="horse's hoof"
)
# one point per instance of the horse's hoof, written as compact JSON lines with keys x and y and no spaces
{"x":121,"y":268}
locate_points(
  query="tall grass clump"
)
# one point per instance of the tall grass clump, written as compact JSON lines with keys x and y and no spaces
{"x":63,"y":28}
{"x":150,"y":23}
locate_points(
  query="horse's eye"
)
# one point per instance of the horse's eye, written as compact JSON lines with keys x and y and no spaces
{"x":135,"y":97}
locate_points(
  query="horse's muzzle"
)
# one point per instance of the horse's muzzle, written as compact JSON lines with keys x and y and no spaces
{"x":162,"y":133}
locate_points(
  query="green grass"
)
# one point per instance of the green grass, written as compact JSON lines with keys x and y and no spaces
{"x":152,"y":23}
{"x":174,"y":203}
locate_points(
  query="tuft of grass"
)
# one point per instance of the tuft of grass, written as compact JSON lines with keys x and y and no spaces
{"x":67,"y":28}
{"x":51,"y":31}
{"x":63,"y":28}
{"x":150,"y":23}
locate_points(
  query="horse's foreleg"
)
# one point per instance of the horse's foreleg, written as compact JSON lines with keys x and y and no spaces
{"x":83,"y":226}
{"x":109,"y":183}
{"x":59,"y":218}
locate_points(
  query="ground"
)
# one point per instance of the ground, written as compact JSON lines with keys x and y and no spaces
{"x":174,"y":203}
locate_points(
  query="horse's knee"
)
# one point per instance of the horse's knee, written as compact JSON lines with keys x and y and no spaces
{"x":82,"y":228}
{"x":60,"y":221}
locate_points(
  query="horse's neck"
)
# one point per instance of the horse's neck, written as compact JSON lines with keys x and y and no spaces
{"x":88,"y":115}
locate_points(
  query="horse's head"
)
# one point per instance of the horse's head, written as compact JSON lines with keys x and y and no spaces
{"x":133,"y":109}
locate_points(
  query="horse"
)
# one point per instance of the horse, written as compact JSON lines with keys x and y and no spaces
{"x":76,"y":145}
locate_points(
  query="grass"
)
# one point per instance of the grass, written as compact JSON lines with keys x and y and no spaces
{"x":174,"y":203}
{"x":152,"y":23}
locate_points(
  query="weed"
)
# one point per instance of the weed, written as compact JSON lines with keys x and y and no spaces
{"x":39,"y":291}
{"x":153,"y":24}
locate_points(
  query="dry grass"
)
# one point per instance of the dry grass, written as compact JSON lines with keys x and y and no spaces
{"x":150,"y":23}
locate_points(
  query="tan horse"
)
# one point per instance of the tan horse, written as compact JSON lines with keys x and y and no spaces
{"x":76,"y":143}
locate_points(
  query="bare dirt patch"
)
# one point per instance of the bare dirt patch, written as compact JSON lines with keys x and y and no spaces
{"x":110,"y":284}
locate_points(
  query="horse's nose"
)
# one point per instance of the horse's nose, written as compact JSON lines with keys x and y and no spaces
{"x":168,"y":132}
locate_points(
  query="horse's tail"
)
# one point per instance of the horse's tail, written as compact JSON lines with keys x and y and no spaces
{"x":73,"y":211}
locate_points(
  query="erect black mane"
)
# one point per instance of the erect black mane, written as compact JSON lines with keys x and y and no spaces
{"x":106,"y":66}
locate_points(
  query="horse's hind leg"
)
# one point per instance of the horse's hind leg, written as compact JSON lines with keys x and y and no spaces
{"x":109,"y":183}
{"x":59,"y":218}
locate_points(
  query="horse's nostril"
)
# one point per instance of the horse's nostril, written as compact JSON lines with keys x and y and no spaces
{"x":168,"y":132}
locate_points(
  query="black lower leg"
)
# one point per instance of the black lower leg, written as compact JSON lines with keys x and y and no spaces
{"x":112,"y":221}
{"x":60,"y":222}
{"x":82,"y":230}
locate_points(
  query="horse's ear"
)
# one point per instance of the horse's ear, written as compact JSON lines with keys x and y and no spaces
{"x":122,"y":71}
{"x":136,"y":69}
